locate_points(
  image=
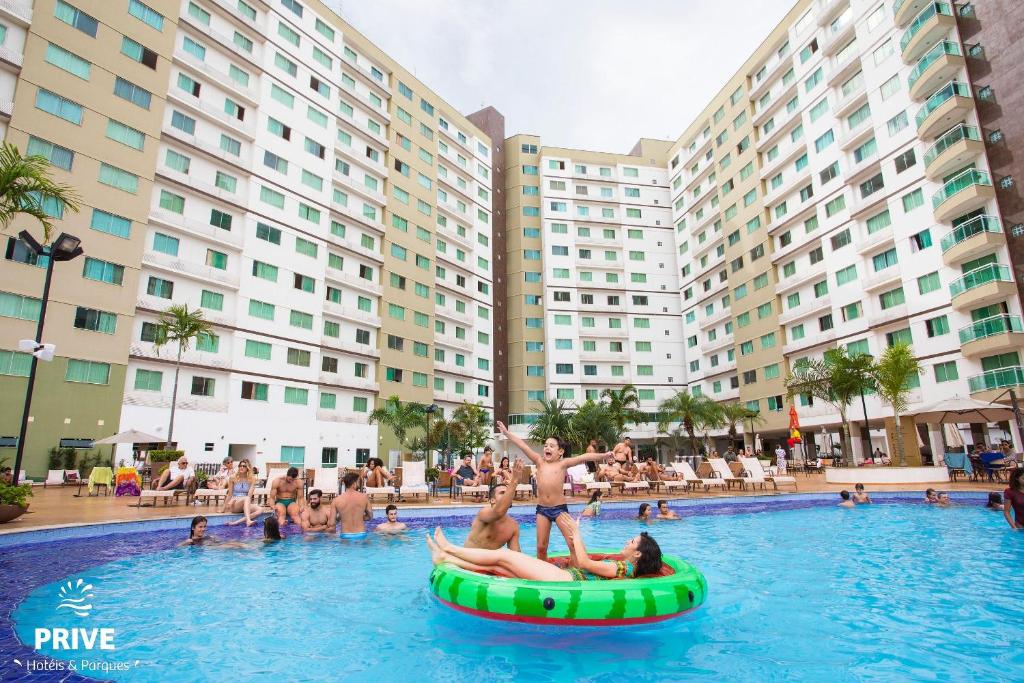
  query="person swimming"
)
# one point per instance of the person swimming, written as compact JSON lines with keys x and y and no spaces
{"x":272,"y":530}
{"x":593,"y":506}
{"x":995,"y":501}
{"x":846,"y":502}
{"x":644,"y":514}
{"x":860,"y":496}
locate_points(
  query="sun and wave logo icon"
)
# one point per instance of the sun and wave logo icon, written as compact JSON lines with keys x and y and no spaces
{"x":76,"y":596}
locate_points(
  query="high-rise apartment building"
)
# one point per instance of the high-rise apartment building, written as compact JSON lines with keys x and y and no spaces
{"x":264,"y":163}
{"x":351,"y":236}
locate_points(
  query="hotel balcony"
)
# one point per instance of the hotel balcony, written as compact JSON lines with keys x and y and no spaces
{"x":816,"y":305}
{"x":931,"y":24}
{"x":989,"y":284}
{"x":954,"y":149}
{"x":939,"y":64}
{"x":971,"y":239}
{"x":17,"y":11}
{"x":943,"y":109}
{"x":998,"y":334}
{"x":905,"y":10}
{"x":963,"y":193}
{"x":988,"y":386}
{"x":196,"y":271}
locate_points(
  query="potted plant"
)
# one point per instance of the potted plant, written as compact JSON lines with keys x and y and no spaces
{"x":13,"y":500}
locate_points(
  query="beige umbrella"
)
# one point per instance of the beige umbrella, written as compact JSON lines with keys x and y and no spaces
{"x":953,"y":436}
{"x":959,"y":410}
{"x":130,"y":436}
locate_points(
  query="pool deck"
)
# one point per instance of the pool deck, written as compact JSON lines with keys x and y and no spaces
{"x":56,"y":507}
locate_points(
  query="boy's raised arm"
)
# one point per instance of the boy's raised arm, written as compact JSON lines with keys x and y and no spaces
{"x":519,"y":443}
{"x":586,"y":457}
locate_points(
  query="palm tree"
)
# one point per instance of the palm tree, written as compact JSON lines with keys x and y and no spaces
{"x":736,"y":413}
{"x":623,"y":406}
{"x":399,"y":416}
{"x":892,"y":373}
{"x":836,"y":379}
{"x":692,"y":412}
{"x":555,"y":419}
{"x":183,"y":327}
{"x":594,"y":421}
{"x":26,"y":188}
{"x":472,"y":423}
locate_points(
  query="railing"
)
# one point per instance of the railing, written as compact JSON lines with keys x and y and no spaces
{"x":997,"y":379}
{"x":922,"y":19}
{"x":943,"y":47}
{"x":939,"y":97}
{"x":989,"y":327}
{"x":969,"y":229}
{"x":959,"y":183}
{"x":949,"y":138}
{"x":896,"y":6}
{"x":21,"y":9}
{"x":993,"y":272}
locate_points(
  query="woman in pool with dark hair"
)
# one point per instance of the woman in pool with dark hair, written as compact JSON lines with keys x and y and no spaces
{"x":272,"y":530}
{"x":644,"y":515}
{"x":197,"y":536}
{"x":640,"y":556}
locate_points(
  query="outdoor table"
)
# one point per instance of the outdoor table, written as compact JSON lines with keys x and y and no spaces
{"x":100,"y":476}
{"x":128,"y":482}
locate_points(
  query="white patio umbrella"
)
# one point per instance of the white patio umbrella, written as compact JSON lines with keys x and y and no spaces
{"x":130,"y":436}
{"x":953,"y":437}
{"x":959,"y":410}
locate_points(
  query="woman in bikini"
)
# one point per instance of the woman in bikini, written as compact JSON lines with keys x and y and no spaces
{"x":241,"y":495}
{"x":503,"y":475}
{"x":375,"y":475}
{"x":640,"y":556}
{"x":593,"y":506}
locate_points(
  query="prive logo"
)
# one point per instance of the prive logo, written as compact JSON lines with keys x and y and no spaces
{"x":75,"y":596}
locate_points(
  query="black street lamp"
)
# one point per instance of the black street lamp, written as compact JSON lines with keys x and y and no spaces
{"x":64,"y":248}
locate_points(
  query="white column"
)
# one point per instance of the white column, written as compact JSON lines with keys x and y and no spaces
{"x":935,"y":441}
{"x":858,"y":445}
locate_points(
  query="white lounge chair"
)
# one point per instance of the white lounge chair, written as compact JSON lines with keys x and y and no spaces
{"x":752,"y":475}
{"x":207,"y":494}
{"x":414,"y":479}
{"x":54,"y":478}
{"x":577,"y":475}
{"x":753,"y":466}
{"x":721,"y":469}
{"x":690,"y":477}
{"x":326,"y":479}
{"x":635,"y":486}
{"x":670,"y":484}
{"x":527,"y":487}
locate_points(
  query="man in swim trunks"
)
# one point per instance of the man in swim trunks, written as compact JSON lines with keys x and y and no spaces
{"x":286,"y":497}
{"x":352,"y":509}
{"x":392,"y":526}
{"x":623,"y":451}
{"x":486,"y":466}
{"x":466,"y":475}
{"x":316,"y":517}
{"x":551,"y":467}
{"x":493,"y":528}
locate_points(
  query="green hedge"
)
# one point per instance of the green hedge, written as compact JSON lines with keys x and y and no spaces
{"x":164,"y":456}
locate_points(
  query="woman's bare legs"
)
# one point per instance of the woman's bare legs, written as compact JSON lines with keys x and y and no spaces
{"x":252,"y":510}
{"x":509,"y":561}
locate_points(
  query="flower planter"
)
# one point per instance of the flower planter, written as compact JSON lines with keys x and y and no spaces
{"x":11,"y":512}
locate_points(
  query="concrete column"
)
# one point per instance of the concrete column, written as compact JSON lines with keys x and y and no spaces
{"x":858,"y":444}
{"x":910,"y":447}
{"x":935,"y":441}
{"x":986,"y":436}
{"x":1018,"y":438}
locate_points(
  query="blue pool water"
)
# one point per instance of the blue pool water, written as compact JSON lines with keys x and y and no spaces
{"x":880,"y":593}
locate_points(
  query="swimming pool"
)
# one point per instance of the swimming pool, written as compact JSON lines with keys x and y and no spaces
{"x":890,"y":591}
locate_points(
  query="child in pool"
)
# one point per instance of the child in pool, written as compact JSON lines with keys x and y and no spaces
{"x":644,"y":514}
{"x":593,"y":506}
{"x":551,"y":467}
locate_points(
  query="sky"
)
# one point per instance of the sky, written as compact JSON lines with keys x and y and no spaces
{"x":586,"y":74}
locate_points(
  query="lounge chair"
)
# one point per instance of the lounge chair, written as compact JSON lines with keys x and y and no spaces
{"x":576,"y":476}
{"x":753,"y":475}
{"x":326,"y":479}
{"x":54,"y":478}
{"x":670,"y":484}
{"x":690,"y":477}
{"x":414,"y":480}
{"x":721,"y":469}
{"x":756,"y":470}
{"x":206,"y":494}
{"x":273,"y":472}
{"x":526,"y":487}
{"x":635,"y":486}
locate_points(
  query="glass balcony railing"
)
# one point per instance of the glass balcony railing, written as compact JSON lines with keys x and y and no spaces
{"x":969,"y":229}
{"x":896,"y":7}
{"x":959,"y":183}
{"x":921,"y":19}
{"x":1002,"y":378}
{"x":939,"y":97}
{"x":943,"y":47}
{"x":989,"y":327}
{"x":949,"y":138}
{"x":993,"y":272}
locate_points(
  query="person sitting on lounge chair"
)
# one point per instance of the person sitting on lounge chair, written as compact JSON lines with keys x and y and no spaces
{"x":466,"y":475}
{"x":316,"y":517}
{"x":176,"y":476}
{"x":375,"y":475}
{"x":226,"y":471}
{"x":286,"y":497}
{"x":392,"y":526}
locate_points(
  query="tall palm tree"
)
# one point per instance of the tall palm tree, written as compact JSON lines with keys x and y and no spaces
{"x":183,"y":327}
{"x":836,"y":378}
{"x":555,"y":419}
{"x":473,"y":424}
{"x":594,"y":421}
{"x":692,"y":412}
{"x":736,"y":413}
{"x":399,"y":416}
{"x":892,"y":373}
{"x":26,"y":187}
{"x":623,"y":406}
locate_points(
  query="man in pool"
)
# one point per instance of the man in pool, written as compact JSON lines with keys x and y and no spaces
{"x":846,"y":502}
{"x":286,"y":497}
{"x":551,"y":467}
{"x":665,"y":512}
{"x":315,"y":517}
{"x":352,"y":509}
{"x":493,"y":528}
{"x":392,"y":526}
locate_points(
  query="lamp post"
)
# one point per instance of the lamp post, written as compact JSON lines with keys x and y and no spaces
{"x":64,"y":248}
{"x":429,"y":410}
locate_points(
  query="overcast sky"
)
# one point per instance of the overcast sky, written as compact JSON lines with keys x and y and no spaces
{"x":589,"y":74}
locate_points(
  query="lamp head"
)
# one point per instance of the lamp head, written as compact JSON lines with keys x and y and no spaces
{"x":29,"y":240}
{"x":66,"y":247}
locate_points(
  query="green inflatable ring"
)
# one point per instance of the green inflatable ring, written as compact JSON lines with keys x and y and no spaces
{"x":617,"y":602}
